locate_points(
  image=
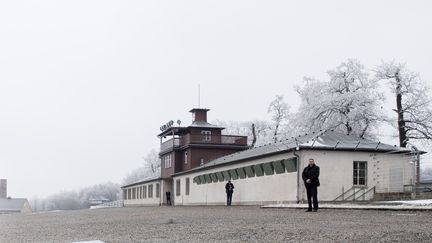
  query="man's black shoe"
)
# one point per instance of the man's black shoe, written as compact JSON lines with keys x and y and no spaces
{"x":309,"y":210}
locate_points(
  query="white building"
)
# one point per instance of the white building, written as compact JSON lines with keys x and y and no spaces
{"x":350,"y":169}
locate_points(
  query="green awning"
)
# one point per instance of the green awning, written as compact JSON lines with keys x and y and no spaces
{"x":241,"y":173}
{"x":258,"y":170}
{"x":290,"y":164}
{"x":233,"y":174}
{"x":268,"y":168}
{"x":249,"y":171}
{"x":220,"y":176}
{"x":278,"y":166}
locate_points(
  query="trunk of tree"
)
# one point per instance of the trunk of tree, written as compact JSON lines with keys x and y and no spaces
{"x":401,"y":122}
{"x":276,"y":133}
{"x":254,"y":138}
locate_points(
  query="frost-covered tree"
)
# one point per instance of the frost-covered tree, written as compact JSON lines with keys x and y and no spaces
{"x":72,"y":200}
{"x":349,"y":102}
{"x":259,"y":132}
{"x":279,"y":110}
{"x":150,"y":168}
{"x":413,"y":102}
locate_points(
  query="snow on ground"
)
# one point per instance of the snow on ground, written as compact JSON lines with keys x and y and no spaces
{"x":92,"y":241}
{"x":425,"y":202}
{"x":391,"y":205}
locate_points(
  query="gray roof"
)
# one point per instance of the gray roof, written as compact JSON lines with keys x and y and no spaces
{"x":323,"y":140}
{"x":203,"y":124}
{"x":13,"y":204}
{"x":148,"y":179}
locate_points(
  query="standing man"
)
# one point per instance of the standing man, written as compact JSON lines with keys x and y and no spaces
{"x":168,"y":198}
{"x":229,"y":188}
{"x":310,"y":177}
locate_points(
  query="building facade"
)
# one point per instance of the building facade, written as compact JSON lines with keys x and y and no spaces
{"x":197,"y":161}
{"x":3,"y":188}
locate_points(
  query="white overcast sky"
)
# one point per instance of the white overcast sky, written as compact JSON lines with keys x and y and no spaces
{"x":85,"y":85}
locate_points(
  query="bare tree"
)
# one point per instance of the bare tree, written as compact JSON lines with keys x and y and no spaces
{"x":280,"y":112}
{"x":413,"y":103}
{"x":150,"y":168}
{"x":348,"y":102}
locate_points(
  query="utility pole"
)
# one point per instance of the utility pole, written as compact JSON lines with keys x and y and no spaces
{"x":417,"y":167}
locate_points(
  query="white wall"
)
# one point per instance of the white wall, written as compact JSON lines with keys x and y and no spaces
{"x":387,"y":172}
{"x":141,"y":201}
{"x":248,"y":191}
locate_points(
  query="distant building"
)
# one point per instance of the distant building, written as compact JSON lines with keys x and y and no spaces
{"x":198,"y":160}
{"x":3,"y":188}
{"x":98,"y":201}
{"x":12,"y":205}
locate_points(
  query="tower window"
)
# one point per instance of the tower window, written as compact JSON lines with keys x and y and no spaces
{"x":206,"y":135}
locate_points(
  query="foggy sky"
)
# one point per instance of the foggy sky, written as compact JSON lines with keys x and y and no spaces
{"x":85,"y":85}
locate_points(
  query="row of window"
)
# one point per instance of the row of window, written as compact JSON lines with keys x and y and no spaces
{"x":141,"y":192}
{"x":168,"y":160}
{"x":269,"y":168}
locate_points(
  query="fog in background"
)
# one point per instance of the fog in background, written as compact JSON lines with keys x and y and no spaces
{"x":85,"y":85}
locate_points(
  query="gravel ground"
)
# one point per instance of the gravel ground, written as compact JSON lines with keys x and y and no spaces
{"x":213,"y":224}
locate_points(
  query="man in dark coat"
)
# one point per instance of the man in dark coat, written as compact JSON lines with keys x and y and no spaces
{"x":310,"y":177}
{"x":229,"y":188}
{"x":168,"y":198}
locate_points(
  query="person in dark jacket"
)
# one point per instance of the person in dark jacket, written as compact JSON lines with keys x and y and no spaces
{"x":229,"y":189}
{"x":310,"y":177}
{"x":168,"y":198}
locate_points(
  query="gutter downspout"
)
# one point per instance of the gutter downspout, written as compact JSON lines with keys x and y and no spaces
{"x":298,"y":174}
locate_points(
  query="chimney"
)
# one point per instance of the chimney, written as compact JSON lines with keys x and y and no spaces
{"x":199,"y":114}
{"x":3,"y":188}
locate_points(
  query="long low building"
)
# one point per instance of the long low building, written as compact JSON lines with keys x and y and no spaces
{"x":351,"y":169}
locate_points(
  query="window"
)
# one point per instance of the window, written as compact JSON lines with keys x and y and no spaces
{"x":145,"y":191}
{"x":140,"y":192}
{"x":157,"y":190}
{"x":359,"y":173}
{"x":206,"y":135}
{"x":134,"y":193}
{"x":177,"y":187}
{"x":150,"y":191}
{"x":187,"y":186}
{"x":186,"y":157}
{"x":167,"y":159}
{"x":129,"y":193}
